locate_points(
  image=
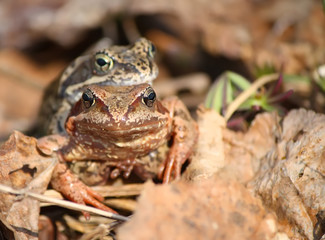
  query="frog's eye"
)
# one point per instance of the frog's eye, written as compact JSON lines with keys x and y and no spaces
{"x":152,"y":50}
{"x":88,"y":98}
{"x":103,"y":62}
{"x":149,"y":97}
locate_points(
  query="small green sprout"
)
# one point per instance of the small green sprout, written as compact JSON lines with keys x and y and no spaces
{"x":233,"y":92}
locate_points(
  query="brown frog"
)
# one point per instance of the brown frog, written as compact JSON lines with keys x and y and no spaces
{"x":115,"y":65}
{"x":121,"y":126}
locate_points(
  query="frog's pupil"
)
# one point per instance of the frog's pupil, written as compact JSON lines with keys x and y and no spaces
{"x":101,"y":62}
{"x":88,"y":99}
{"x":153,"y":48}
{"x":152,"y":96}
{"x":85,"y":97}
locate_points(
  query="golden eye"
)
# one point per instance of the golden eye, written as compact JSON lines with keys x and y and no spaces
{"x":88,"y":98}
{"x":149,"y":97}
{"x":103,"y":62}
{"x":152,"y":50}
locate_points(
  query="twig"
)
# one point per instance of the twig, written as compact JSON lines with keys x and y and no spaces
{"x":62,"y":203}
{"x":247,"y":93}
{"x":126,"y":190}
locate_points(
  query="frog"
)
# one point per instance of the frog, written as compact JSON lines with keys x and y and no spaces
{"x":121,"y":126}
{"x":115,"y":65}
{"x":97,"y":173}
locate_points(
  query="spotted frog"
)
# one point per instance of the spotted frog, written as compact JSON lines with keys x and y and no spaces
{"x":116,"y":65}
{"x":120,"y":126}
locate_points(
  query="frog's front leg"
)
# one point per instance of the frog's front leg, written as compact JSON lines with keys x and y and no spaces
{"x":65,"y":182}
{"x":184,"y":134}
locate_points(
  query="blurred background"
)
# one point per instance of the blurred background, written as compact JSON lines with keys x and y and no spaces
{"x":196,"y":41}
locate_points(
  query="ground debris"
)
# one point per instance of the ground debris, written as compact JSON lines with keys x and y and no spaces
{"x":211,"y":209}
{"x":290,"y":179}
{"x":22,"y":169}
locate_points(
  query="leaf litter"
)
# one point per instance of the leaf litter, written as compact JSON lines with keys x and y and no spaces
{"x":266,"y":183}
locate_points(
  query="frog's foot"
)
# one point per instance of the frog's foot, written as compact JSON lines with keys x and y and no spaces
{"x":183,"y":144}
{"x":125,"y":166}
{"x":185,"y":134}
{"x":171,"y":167}
{"x":75,"y":190}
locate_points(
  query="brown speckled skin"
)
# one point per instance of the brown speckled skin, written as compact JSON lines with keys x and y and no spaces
{"x":131,"y":64}
{"x":118,"y":126}
{"x":120,"y":129}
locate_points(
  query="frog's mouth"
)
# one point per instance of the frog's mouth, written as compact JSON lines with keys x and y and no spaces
{"x":112,"y":129}
{"x":136,"y":129}
{"x":149,"y":135}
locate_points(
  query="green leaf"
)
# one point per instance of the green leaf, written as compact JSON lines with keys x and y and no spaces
{"x":296,"y":78}
{"x":222,"y":91}
{"x":238,"y":80}
{"x":267,"y":68}
{"x":214,"y":97}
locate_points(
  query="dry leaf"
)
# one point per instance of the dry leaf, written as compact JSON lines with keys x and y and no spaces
{"x":22,"y":168}
{"x":219,"y":147}
{"x":290,"y":179}
{"x":236,"y":29}
{"x":209,"y":155}
{"x":210,"y":209}
{"x":22,"y":82}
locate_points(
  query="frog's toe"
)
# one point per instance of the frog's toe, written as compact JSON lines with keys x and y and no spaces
{"x":170,"y":169}
{"x":85,"y":195}
{"x":75,"y":190}
{"x":90,"y":197}
{"x":93,"y":193}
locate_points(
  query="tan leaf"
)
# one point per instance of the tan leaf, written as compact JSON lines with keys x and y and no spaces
{"x":290,"y":179}
{"x":210,"y":209}
{"x":22,"y":168}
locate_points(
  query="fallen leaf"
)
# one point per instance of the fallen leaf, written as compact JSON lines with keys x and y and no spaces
{"x":19,"y":107}
{"x":22,"y":168}
{"x":219,"y":147}
{"x":209,"y":155}
{"x":290,"y":179}
{"x":216,"y":208}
